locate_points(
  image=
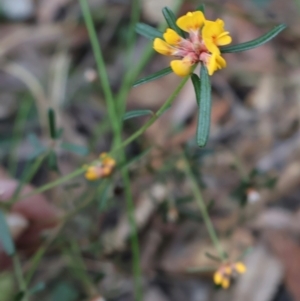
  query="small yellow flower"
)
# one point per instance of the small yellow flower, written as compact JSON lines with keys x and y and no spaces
{"x":228,"y":271}
{"x":101,"y":169}
{"x":192,"y":21}
{"x":202,"y":45}
{"x":214,"y":35}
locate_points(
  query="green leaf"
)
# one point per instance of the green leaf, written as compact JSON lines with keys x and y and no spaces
{"x":254,"y":43}
{"x":37,"y":145}
{"x":153,"y":76}
{"x":5,"y":236}
{"x":196,"y":82}
{"x":19,"y":296}
{"x":52,"y":161}
{"x":137,"y":113}
{"x":40,"y":286}
{"x":148,"y":31}
{"x":201,"y":8}
{"x":104,"y":196}
{"x":64,"y":291}
{"x":204,"y":108}
{"x":213,"y":257}
{"x":171,"y":20}
{"x":74,"y":148}
{"x":52,"y":126}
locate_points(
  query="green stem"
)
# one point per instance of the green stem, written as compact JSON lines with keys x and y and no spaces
{"x":133,"y":73}
{"x":134,"y":136}
{"x":202,"y":206}
{"x":162,"y":109}
{"x":55,"y":183}
{"x":116,"y":126}
{"x":101,"y":68}
{"x":43,"y":249}
{"x":19,"y":276}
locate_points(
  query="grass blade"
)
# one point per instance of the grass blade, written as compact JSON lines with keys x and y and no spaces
{"x":171,"y":20}
{"x":148,"y":31}
{"x":5,"y":236}
{"x":52,"y":126}
{"x":137,"y":113}
{"x":204,"y":108}
{"x":74,"y":148}
{"x":254,"y":43}
{"x":153,"y":76}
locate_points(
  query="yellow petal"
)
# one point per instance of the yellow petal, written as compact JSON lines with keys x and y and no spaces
{"x":172,"y":37}
{"x":91,"y":174}
{"x":162,"y":47}
{"x":215,"y":62}
{"x":211,"y":29}
{"x":228,"y":270}
{"x":224,"y":39}
{"x":218,"y":278}
{"x":191,"y":21}
{"x":240,"y":267}
{"x":212,"y":64}
{"x":221,"y":63}
{"x":220,"y":23}
{"x":103,"y":155}
{"x":225,"y":283}
{"x":214,"y":35}
{"x":181,"y":67}
{"x":106,"y":171}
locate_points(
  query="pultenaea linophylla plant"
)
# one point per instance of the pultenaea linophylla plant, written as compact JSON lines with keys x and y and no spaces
{"x":193,"y":40}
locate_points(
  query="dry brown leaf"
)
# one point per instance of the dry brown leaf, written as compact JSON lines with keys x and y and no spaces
{"x":288,"y":252}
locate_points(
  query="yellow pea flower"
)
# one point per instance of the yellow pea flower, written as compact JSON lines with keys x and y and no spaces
{"x":214,"y":35}
{"x":201,"y":46}
{"x":101,"y":169}
{"x":226,"y":272}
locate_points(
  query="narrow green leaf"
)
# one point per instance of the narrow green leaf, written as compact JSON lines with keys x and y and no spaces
{"x":40,"y":286}
{"x":201,"y":8}
{"x":104,"y":197}
{"x":196,"y":82}
{"x":137,"y":113}
{"x":171,"y":20}
{"x":52,"y":161}
{"x":19,"y":296}
{"x":153,"y":76}
{"x":37,"y":145}
{"x":213,"y":257}
{"x":5,"y":236}
{"x":204,"y":108}
{"x":148,"y":31}
{"x":52,"y":126}
{"x":254,"y":43}
{"x":74,"y":148}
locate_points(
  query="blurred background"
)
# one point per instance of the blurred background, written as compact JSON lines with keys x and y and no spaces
{"x":249,"y":173}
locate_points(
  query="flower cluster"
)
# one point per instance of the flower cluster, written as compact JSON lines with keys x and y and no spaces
{"x":201,"y":45}
{"x":101,"y":169}
{"x":227,"y":271}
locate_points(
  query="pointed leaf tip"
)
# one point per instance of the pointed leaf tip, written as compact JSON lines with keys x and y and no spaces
{"x":254,"y":43}
{"x":153,"y":76}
